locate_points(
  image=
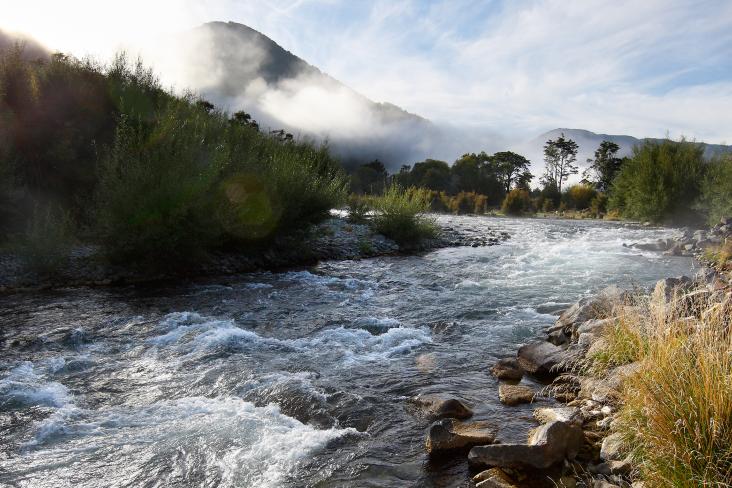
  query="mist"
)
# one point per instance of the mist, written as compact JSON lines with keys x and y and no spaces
{"x":237,"y":68}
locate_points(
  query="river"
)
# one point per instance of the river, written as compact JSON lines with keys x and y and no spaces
{"x":290,"y":379}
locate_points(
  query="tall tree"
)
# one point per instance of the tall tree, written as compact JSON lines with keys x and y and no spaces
{"x":605,"y":166}
{"x":560,"y":156}
{"x":511,"y":168}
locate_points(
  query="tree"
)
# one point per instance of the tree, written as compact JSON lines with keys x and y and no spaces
{"x":511,"y":167}
{"x":431,"y":174}
{"x":369,"y":178}
{"x":559,"y":156}
{"x":605,"y":166}
{"x":660,"y":182}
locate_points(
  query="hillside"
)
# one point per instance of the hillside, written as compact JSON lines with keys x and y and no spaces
{"x":588,"y":142}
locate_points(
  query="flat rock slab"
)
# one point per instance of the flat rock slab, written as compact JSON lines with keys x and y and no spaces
{"x":515,"y":394}
{"x":448,"y":434}
{"x":548,"y":445}
{"x":507,"y":369}
{"x":438,"y":405}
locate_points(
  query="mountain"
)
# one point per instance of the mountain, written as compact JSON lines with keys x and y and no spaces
{"x":239,"y":68}
{"x":588,"y":142}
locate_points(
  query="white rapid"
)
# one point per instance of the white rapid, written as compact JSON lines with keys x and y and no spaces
{"x":290,"y":379}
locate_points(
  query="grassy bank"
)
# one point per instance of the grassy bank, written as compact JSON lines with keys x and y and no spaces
{"x":676,"y":412}
{"x":103,"y":154}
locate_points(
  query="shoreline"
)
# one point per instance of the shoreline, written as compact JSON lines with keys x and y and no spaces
{"x":333,"y":239}
{"x":576,"y":442}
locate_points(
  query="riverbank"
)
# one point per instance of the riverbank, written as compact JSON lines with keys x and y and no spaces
{"x":637,"y":376}
{"x":334,"y":239}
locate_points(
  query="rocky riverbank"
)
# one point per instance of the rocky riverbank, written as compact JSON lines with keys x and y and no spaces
{"x":334,"y":239}
{"x":575,"y":443}
{"x":691,"y":242}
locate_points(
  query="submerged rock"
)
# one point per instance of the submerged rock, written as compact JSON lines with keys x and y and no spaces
{"x":438,"y":405}
{"x":515,"y":394}
{"x":508,"y":369}
{"x":548,"y":445}
{"x":448,"y":434}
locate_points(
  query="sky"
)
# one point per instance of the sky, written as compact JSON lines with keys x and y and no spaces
{"x":646,"y":68}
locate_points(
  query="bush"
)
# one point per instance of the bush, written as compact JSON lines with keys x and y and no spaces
{"x":579,"y":197}
{"x":517,"y":202}
{"x":717,"y":190}
{"x":598,"y":205}
{"x":47,"y":241}
{"x":399,"y":215}
{"x":358,"y":209}
{"x":660,"y":182}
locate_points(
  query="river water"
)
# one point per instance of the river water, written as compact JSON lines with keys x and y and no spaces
{"x":290,"y":379}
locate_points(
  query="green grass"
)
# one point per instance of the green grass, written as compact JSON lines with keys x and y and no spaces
{"x":399,"y":215}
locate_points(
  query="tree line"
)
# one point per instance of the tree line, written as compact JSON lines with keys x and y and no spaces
{"x":661,"y":181}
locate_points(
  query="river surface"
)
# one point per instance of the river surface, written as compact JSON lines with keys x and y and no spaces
{"x":290,"y":379}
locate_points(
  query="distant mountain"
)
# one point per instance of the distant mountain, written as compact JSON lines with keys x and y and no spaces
{"x":238,"y":68}
{"x":31,"y":48}
{"x":588,"y":142}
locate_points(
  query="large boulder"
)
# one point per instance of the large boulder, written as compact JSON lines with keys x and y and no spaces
{"x":508,"y":369}
{"x":438,"y":405}
{"x":449,"y":434}
{"x":515,"y":394}
{"x":548,"y":445}
{"x":607,"y":389}
{"x":541,"y":359}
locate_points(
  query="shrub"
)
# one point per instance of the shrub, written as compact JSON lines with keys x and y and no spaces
{"x":717,"y":190}
{"x":660,"y":182}
{"x":399,"y":215}
{"x":46,"y":243}
{"x":517,"y":202}
{"x":598,"y":205}
{"x":358,"y":209}
{"x":579,"y":197}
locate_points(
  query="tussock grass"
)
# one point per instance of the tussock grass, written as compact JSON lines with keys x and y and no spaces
{"x":399,"y":215}
{"x":719,"y":256}
{"x":677,"y":411}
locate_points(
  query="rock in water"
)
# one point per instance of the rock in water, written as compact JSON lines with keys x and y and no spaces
{"x":437,"y":405}
{"x":447,"y":434}
{"x":548,"y":445}
{"x":515,"y":394}
{"x":541,"y":359}
{"x":508,"y":369}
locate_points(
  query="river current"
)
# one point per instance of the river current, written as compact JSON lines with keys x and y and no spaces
{"x":291,"y":379}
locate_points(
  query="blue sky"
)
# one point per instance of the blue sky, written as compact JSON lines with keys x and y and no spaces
{"x":644,"y":68}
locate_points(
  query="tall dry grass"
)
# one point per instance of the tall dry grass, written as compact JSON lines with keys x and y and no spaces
{"x":677,"y":410}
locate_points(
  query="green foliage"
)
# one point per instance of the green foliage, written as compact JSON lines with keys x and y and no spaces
{"x":45,"y":244}
{"x":369,"y":178}
{"x":598,"y":205}
{"x":605,"y":166}
{"x":358,"y":209}
{"x":517,"y":202}
{"x":660,"y":182}
{"x":151,"y":176}
{"x":717,"y":190}
{"x":399,"y":215}
{"x":559,"y":156}
{"x":511,"y":169}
